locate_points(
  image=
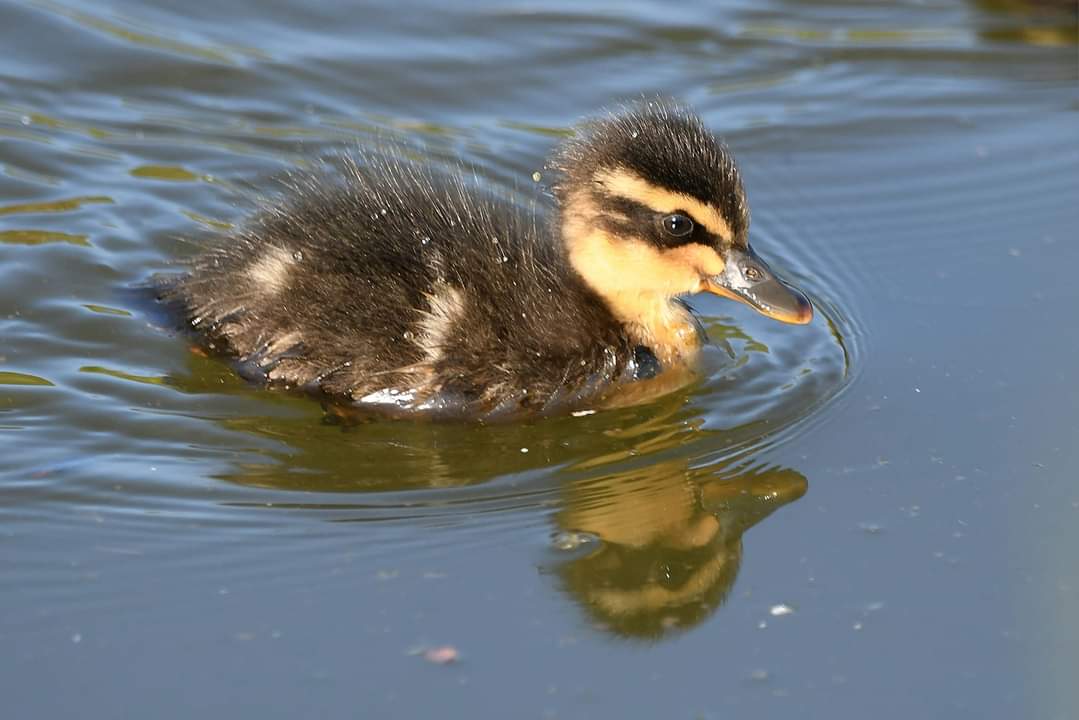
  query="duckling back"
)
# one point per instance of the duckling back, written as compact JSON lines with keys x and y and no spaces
{"x":389,"y":285}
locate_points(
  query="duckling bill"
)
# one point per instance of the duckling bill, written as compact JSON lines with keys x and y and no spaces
{"x":388,"y":285}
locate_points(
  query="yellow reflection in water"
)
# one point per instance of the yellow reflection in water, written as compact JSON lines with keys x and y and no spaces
{"x":15,"y":378}
{"x":208,"y":222}
{"x":106,"y":310}
{"x":56,"y":206}
{"x":1048,"y":23}
{"x":670,"y":540}
{"x":669,"y":535}
{"x":121,"y":375}
{"x":164,"y":172}
{"x":851,"y":36}
{"x":149,"y":39}
{"x":43,"y":120}
{"x":41,"y":237}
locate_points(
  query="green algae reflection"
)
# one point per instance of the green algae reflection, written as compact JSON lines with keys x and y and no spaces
{"x":121,"y":375}
{"x":56,"y":206}
{"x":41,"y":237}
{"x":164,"y":172}
{"x":15,"y":378}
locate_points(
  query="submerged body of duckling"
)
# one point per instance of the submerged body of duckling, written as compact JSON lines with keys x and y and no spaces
{"x":389,"y":286}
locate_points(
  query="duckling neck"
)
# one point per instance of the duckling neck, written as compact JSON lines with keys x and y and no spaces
{"x":663,"y":325}
{"x":651,"y":316}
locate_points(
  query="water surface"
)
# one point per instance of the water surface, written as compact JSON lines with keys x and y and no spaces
{"x":872,"y":515}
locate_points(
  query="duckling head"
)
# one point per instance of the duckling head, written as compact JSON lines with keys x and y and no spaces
{"x":652,"y":209}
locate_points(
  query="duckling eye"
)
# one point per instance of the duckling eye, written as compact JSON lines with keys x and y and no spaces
{"x":677,"y":225}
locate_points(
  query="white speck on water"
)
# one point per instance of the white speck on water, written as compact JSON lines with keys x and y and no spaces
{"x":857,"y":626}
{"x":871,"y":528}
{"x":536,"y":177}
{"x":442,"y":655}
{"x":1015,"y":252}
{"x":762,"y":625}
{"x":917,"y":390}
{"x":426,"y":239}
{"x":383,"y":212}
{"x":76,"y":638}
{"x":780,"y":610}
{"x":297,"y":256}
{"x":759,"y":675}
{"x":524,"y":450}
{"x":26,"y":120}
{"x":583,"y":413}
{"x":634,"y":134}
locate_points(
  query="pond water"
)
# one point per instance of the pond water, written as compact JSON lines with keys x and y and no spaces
{"x":875,"y":515}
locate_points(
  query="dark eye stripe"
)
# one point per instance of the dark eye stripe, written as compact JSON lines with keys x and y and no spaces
{"x":634,"y":218}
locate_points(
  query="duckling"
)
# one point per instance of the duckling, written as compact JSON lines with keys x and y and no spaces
{"x":390,"y":286}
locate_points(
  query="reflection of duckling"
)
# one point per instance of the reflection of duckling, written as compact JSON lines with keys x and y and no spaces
{"x":669,"y":535}
{"x":671,"y":541}
{"x":396,"y":288}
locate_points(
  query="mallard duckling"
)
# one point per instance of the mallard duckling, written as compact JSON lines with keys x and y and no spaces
{"x":388,"y":285}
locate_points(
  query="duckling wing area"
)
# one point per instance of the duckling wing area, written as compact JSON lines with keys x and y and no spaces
{"x":388,"y":285}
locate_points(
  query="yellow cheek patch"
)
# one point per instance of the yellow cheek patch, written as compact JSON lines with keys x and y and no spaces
{"x":626,"y":184}
{"x":631,"y":266}
{"x":701,"y":259}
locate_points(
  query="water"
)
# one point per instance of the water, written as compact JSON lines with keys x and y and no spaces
{"x":873,"y":515}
